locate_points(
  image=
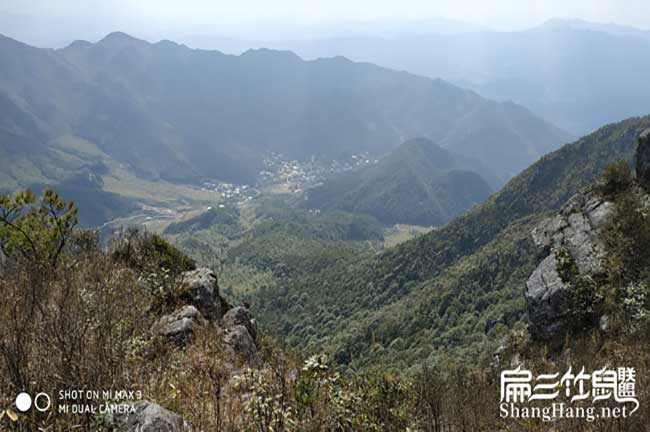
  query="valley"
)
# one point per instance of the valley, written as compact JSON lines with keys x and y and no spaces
{"x":298,"y":241}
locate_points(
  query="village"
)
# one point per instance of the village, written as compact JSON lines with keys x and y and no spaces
{"x":280,"y":175}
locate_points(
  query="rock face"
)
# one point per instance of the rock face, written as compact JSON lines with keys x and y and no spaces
{"x":149,"y":417}
{"x":241,"y":316}
{"x":573,"y":234}
{"x":643,"y":159}
{"x":199,"y":288}
{"x":178,"y":326}
{"x":241,"y":343}
{"x":241,"y":334}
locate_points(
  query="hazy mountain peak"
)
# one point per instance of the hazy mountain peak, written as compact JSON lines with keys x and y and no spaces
{"x":603,"y":27}
{"x":80,"y":44}
{"x":168,"y":43}
{"x":270,"y":54}
{"x":118,"y":37}
{"x":420,"y":141}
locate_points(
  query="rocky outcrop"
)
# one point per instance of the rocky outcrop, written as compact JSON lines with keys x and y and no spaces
{"x":643,"y":160}
{"x":199,"y":292}
{"x":178,"y":326}
{"x":199,"y":288}
{"x":573,"y":235}
{"x":241,"y":315}
{"x":149,"y":417}
{"x":239,"y":340}
{"x":241,"y":334}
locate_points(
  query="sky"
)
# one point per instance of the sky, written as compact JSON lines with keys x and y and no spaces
{"x":255,"y":19}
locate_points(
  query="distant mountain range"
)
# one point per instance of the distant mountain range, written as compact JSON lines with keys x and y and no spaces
{"x":47,"y":31}
{"x":577,"y":74}
{"x":164,"y":111}
{"x":419,"y":183}
{"x":580,"y":24}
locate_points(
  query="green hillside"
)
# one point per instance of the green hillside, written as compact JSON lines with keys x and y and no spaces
{"x":419,"y":183}
{"x":453,"y":292}
{"x":268,"y":241}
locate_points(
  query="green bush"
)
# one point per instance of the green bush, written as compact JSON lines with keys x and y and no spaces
{"x":35,"y":229}
{"x":149,"y":252}
{"x":616,"y":178}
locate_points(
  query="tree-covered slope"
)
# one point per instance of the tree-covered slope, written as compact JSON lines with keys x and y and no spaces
{"x":267,"y":241}
{"x":455,"y":290}
{"x":419,"y":183}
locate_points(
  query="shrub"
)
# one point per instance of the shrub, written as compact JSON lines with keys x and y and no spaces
{"x":615,"y":178}
{"x":35,"y":230}
{"x":149,"y":252}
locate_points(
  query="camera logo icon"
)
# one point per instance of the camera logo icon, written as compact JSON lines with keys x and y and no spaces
{"x":41,"y":402}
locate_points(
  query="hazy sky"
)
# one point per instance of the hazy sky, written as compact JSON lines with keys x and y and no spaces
{"x":254,"y":18}
{"x":494,"y":12}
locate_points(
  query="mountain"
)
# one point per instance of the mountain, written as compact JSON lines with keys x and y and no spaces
{"x":450,"y":293}
{"x":419,"y":183}
{"x":164,"y":111}
{"x":566,"y":71}
{"x":579,"y":24}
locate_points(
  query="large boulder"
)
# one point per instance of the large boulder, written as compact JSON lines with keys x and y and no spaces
{"x":241,"y":315}
{"x":643,"y":159}
{"x":149,"y":417}
{"x":200,"y":289}
{"x":239,"y":340}
{"x":179,"y":325}
{"x":574,"y":234}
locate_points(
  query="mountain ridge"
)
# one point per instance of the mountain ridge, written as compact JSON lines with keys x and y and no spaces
{"x":198,"y":114}
{"x":551,"y":69}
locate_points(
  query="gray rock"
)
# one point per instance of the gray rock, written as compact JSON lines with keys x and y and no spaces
{"x":546,"y":298}
{"x":178,"y":326}
{"x":576,"y":230}
{"x":149,"y":417}
{"x":643,"y":159}
{"x":543,"y":234}
{"x":199,"y":288}
{"x":240,"y":315}
{"x":241,"y":343}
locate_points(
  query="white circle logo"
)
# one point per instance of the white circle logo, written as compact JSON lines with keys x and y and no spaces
{"x":23,"y":402}
{"x":39,"y":404}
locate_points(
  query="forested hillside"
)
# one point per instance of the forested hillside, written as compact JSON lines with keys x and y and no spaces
{"x":452,"y":292}
{"x":419,"y":183}
{"x":199,"y":362}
